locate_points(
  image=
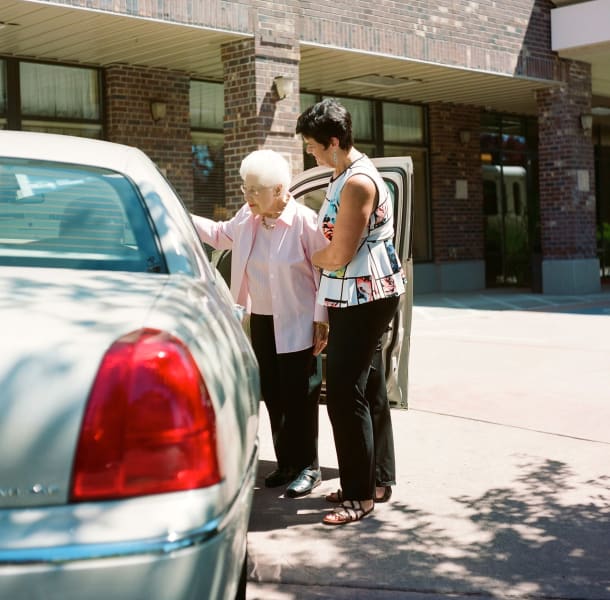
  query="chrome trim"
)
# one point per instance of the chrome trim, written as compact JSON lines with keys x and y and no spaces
{"x":57,"y":555}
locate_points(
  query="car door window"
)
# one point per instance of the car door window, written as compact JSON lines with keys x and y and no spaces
{"x":314,"y":198}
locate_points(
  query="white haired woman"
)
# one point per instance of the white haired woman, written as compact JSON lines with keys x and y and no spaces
{"x":272,"y":238}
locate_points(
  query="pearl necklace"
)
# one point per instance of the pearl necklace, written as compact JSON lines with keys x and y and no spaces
{"x":267,"y":225}
{"x":275,"y":215}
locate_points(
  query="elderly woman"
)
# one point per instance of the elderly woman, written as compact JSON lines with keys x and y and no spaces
{"x":272,"y":238}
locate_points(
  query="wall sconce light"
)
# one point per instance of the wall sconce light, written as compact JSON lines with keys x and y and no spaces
{"x":464,"y":136}
{"x":586,"y":121}
{"x":158,"y":110}
{"x":283,"y":86}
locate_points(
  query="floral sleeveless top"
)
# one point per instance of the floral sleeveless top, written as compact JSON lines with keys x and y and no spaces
{"x":374,"y":272}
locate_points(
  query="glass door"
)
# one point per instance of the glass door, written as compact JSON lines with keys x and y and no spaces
{"x":602,"y":189}
{"x":509,"y":201}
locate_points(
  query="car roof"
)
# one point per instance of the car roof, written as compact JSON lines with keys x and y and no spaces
{"x":67,"y":148}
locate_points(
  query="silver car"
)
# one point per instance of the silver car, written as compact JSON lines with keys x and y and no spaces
{"x":129,"y":392}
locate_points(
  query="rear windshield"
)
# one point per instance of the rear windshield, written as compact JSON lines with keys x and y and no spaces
{"x":67,"y":216}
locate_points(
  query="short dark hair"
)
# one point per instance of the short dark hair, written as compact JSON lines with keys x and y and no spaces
{"x":325,"y":119}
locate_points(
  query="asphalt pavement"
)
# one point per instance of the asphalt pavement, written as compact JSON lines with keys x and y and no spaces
{"x":503,"y":462}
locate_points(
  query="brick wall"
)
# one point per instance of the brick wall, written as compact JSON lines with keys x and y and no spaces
{"x":218,"y":14}
{"x":129,"y":92}
{"x":240,"y":121}
{"x":254,"y":115}
{"x":457,"y":224}
{"x":505,"y":37}
{"x":567,"y":180}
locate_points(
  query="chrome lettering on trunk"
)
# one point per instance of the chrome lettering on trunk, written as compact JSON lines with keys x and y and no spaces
{"x":38,"y":489}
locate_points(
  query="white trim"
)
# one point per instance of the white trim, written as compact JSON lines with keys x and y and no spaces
{"x":583,"y":24}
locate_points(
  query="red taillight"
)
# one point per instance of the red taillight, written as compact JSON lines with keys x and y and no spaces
{"x":149,"y":425}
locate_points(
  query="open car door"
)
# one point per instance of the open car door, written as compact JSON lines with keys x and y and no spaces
{"x":310,"y":187}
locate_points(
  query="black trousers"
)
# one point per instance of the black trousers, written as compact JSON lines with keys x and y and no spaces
{"x":354,"y":336}
{"x":383,"y":432}
{"x":293,"y":410}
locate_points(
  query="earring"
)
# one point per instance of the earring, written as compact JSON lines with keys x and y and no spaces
{"x":335,"y":157}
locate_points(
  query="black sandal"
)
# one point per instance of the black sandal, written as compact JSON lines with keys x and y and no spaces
{"x":348,"y":512}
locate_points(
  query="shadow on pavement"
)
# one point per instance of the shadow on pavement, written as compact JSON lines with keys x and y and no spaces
{"x":272,"y":510}
{"x":521,"y":540}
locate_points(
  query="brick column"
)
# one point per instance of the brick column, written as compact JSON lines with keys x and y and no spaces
{"x":567,"y":186}
{"x":129,"y":93}
{"x":254,"y":115}
{"x":456,"y":198}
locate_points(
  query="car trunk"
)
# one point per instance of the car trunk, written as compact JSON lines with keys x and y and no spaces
{"x":56,"y":326}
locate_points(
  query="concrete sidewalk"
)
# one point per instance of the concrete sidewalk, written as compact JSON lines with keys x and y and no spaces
{"x":503,"y":467}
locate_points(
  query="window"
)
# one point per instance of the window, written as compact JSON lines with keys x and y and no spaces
{"x":206,"y":105}
{"x":58,"y":92}
{"x":403,"y":123}
{"x":207,"y":123}
{"x":52,"y":98}
{"x":57,"y":215}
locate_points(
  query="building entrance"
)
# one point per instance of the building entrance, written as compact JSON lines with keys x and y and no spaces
{"x":602,"y":188}
{"x":510,"y":203}
{"x":507,"y":254}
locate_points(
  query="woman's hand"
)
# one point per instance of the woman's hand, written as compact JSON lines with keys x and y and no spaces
{"x":320,"y":337}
